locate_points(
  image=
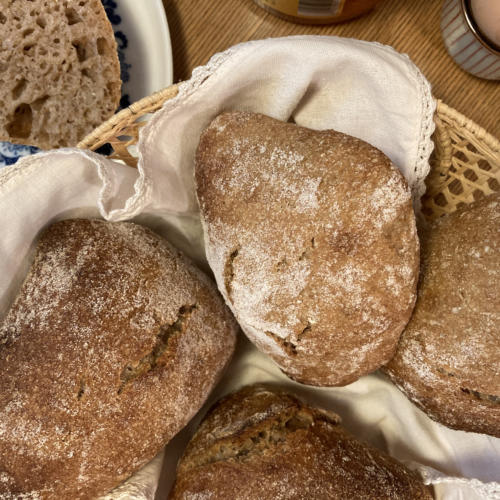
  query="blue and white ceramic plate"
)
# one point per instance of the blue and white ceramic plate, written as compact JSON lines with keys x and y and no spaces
{"x":145,"y":54}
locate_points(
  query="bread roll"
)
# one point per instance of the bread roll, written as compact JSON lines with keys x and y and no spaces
{"x":264,"y":444}
{"x":448,"y":358}
{"x":311,"y":236}
{"x":59,"y":71}
{"x":112,"y":344}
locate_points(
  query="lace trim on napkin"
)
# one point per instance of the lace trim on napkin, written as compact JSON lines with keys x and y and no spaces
{"x":143,"y":187}
{"x":431,"y":476}
{"x":25,"y":167}
{"x":425,"y":143}
{"x":419,"y":168}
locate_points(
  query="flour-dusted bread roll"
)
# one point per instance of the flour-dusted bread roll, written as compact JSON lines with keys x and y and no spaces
{"x":311,"y":236}
{"x":264,"y":444}
{"x":59,"y":71}
{"x":448,"y":359}
{"x":111,"y":346}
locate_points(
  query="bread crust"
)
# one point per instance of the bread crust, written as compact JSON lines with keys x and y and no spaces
{"x":312,"y":239}
{"x":448,"y":357}
{"x":59,"y":71}
{"x":262,"y":443}
{"x":112,"y":344}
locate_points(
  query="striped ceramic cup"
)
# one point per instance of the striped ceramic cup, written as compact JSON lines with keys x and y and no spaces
{"x":464,"y":42}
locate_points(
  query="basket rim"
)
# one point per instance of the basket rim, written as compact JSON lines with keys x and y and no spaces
{"x":452,"y":132}
{"x":156,"y":100}
{"x":451,"y":114}
{"x":136,"y":109}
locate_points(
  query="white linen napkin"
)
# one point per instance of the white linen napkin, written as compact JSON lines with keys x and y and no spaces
{"x":361,"y":88}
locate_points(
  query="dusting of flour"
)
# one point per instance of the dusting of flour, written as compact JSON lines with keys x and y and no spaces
{"x":312,"y":240}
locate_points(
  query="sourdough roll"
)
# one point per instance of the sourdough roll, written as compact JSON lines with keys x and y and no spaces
{"x":264,"y":444}
{"x":112,"y":344}
{"x":448,"y":358}
{"x":311,"y":237}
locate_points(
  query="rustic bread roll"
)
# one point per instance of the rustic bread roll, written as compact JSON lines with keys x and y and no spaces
{"x":59,"y":71}
{"x":311,"y":236}
{"x":111,"y":346}
{"x":448,"y":358}
{"x":263,"y":444}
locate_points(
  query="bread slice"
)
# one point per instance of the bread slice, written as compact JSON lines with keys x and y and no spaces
{"x":59,"y":71}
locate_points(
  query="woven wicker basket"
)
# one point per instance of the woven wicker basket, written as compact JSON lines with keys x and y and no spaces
{"x":465,"y":164}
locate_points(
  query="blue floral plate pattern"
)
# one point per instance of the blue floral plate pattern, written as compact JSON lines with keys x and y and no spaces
{"x":138,"y":27}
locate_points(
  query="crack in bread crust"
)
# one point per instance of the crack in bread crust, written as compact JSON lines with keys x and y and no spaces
{"x":287,"y":344}
{"x":255,"y":438}
{"x":482,"y":396}
{"x":229,"y":271}
{"x":153,"y":359}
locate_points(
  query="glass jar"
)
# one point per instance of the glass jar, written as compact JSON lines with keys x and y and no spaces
{"x":317,"y":11}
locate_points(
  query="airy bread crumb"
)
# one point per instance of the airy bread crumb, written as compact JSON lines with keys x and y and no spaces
{"x":59,"y":71}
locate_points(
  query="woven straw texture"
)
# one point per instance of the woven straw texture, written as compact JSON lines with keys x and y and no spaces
{"x":465,"y":164}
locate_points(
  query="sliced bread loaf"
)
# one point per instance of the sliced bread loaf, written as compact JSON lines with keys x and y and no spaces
{"x":59,"y":71}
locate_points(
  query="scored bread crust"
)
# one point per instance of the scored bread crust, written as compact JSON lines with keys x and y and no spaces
{"x":59,"y":71}
{"x":261,"y":443}
{"x":447,"y":361}
{"x":111,"y":346}
{"x":312,"y":239}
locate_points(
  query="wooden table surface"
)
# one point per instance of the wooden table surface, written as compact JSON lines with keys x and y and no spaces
{"x":200,"y":28}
